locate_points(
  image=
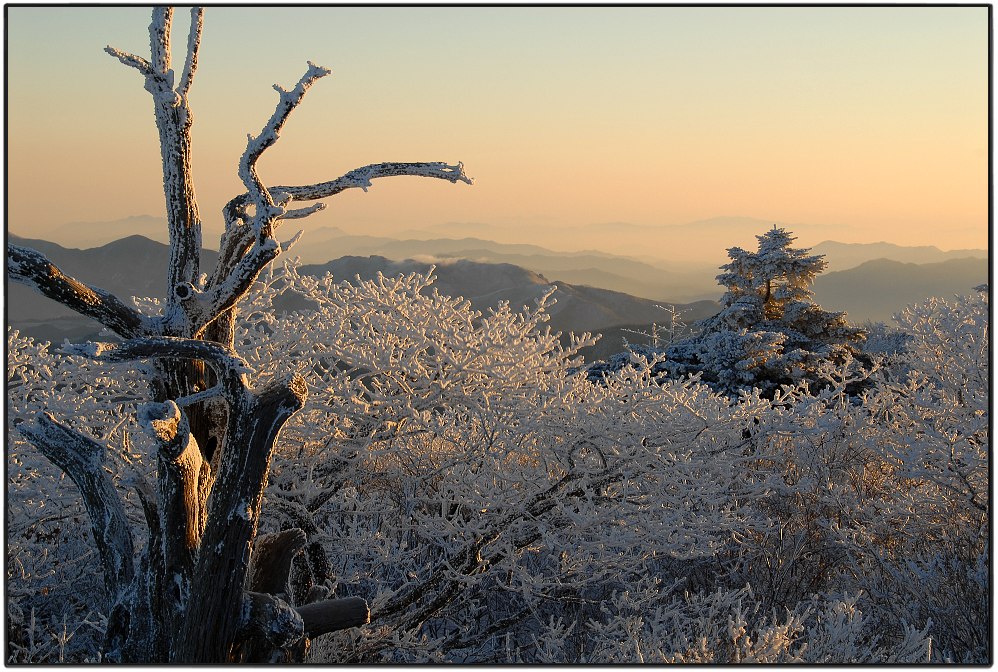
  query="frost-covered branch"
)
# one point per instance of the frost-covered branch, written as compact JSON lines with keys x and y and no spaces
{"x":266,"y":210}
{"x":131,"y":60}
{"x":241,"y":254}
{"x":32,"y":268}
{"x":173,"y":120}
{"x":360,"y":178}
{"x":193,"y":46}
{"x":240,"y":277}
{"x":83,"y":460}
{"x":159,"y":38}
{"x":228,"y":365}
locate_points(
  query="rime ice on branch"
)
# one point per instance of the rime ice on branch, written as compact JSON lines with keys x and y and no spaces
{"x":216,"y":428}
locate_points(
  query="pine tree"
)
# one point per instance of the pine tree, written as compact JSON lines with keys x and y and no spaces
{"x":769,"y":330}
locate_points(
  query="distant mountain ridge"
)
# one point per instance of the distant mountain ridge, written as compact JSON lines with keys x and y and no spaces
{"x":843,"y":256}
{"x":136,"y":266}
{"x":639,"y":269}
{"x":876,"y":290}
{"x":578,"y":308}
{"x":588,"y":285}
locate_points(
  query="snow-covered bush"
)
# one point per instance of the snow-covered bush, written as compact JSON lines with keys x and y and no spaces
{"x":928,"y":418}
{"x":468,"y":484}
{"x":55,"y":598}
{"x":493,"y":505}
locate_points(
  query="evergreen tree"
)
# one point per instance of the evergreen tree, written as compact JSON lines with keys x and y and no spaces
{"x":769,"y":331}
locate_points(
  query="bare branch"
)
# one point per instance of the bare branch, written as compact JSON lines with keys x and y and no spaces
{"x":332,"y":615}
{"x":229,"y":367}
{"x":270,"y":565}
{"x":193,"y":46}
{"x":360,"y":178}
{"x":159,"y":38}
{"x":82,"y":459}
{"x":32,"y":268}
{"x":266,"y":210}
{"x":161,"y":347}
{"x":240,"y":278}
{"x":302,"y":213}
{"x":239,"y":264}
{"x":131,"y":60}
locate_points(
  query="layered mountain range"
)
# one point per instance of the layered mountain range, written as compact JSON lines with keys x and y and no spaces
{"x":596,"y":291}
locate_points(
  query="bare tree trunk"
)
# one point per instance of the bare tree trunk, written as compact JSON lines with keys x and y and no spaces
{"x":191,"y":596}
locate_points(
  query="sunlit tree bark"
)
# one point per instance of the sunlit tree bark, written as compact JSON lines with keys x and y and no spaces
{"x":205,"y":589}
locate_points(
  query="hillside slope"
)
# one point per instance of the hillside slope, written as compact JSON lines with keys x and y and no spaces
{"x":878,"y":289}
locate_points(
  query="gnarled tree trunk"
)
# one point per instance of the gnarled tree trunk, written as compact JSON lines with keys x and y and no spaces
{"x":206,"y":589}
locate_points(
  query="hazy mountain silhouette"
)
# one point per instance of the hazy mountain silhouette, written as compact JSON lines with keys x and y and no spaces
{"x":597,"y":269}
{"x":91,"y":234}
{"x":878,"y":289}
{"x":588,"y":285}
{"x":136,"y":266}
{"x":578,"y":308}
{"x":841,"y":256}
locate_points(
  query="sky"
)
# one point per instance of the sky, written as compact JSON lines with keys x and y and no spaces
{"x":864,"y":123}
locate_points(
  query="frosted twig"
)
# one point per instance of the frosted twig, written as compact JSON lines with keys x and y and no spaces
{"x":302,"y":213}
{"x":287,"y":245}
{"x":289,"y":100}
{"x":159,"y":38}
{"x":193,"y":46}
{"x":360,"y":178}
{"x":131,"y":60}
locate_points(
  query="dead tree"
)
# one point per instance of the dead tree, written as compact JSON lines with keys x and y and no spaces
{"x":207,"y":588}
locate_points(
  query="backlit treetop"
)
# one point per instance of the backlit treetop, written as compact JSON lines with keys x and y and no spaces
{"x":769,"y":332}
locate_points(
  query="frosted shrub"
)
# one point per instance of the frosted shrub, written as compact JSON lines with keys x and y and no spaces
{"x":492,"y":504}
{"x":52,"y":588}
{"x":730,"y":626}
{"x":468,"y":483}
{"x":929,"y":421}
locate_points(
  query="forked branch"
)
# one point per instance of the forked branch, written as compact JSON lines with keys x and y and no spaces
{"x":266,"y":211}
